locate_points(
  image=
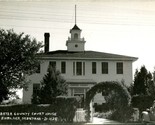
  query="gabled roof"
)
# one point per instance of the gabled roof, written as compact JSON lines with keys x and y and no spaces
{"x":85,"y":55}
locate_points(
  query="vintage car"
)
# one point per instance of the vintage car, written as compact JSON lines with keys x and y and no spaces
{"x":149,"y":114}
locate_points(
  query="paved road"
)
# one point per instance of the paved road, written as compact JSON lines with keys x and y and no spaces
{"x":101,"y":121}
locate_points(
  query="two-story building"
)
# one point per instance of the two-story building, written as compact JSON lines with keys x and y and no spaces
{"x":80,"y":68}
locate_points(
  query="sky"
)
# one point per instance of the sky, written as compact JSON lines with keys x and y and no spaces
{"x":125,"y":27}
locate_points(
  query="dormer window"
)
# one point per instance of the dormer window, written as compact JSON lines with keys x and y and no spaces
{"x":75,"y":36}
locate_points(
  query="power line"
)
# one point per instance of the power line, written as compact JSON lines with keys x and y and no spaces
{"x":87,"y":17}
{"x":90,"y":18}
{"x":37,"y":27}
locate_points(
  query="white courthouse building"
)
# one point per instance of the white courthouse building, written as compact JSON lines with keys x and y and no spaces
{"x":80,"y":68}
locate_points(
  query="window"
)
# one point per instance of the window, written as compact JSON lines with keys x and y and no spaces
{"x":93,"y":67}
{"x":78,"y":91}
{"x":63,"y":67}
{"x":119,"y":68}
{"x":36,"y":89}
{"x":104,"y":67}
{"x":73,"y":68}
{"x":78,"y":68}
{"x":75,"y":36}
{"x":38,"y":68}
{"x":53,"y":64}
{"x":83,"y":68}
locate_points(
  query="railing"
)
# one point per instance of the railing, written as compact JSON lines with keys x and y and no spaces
{"x":80,"y":39}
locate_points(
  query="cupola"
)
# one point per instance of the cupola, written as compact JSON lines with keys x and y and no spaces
{"x":75,"y":42}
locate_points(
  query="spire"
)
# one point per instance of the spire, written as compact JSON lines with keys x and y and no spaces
{"x":75,"y":14}
{"x":75,"y":26}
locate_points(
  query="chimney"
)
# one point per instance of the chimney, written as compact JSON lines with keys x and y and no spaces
{"x":46,"y":36}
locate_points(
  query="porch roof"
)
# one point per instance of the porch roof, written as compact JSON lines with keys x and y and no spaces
{"x":80,"y":81}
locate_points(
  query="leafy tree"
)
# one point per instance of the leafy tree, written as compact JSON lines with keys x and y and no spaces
{"x":130,"y":89}
{"x":52,"y":85}
{"x":142,"y":82}
{"x":3,"y":92}
{"x":17,"y":58}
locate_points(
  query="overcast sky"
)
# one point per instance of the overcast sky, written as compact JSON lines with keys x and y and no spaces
{"x":125,"y":27}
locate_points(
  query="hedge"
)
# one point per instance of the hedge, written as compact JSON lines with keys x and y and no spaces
{"x":142,"y":102}
{"x":63,"y":110}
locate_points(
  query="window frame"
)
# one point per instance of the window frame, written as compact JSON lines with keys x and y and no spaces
{"x":63,"y":67}
{"x":94,"y":67}
{"x":105,"y":67}
{"x":53,"y":64}
{"x":36,"y":88}
{"x":79,"y":68}
{"x":38,"y":69}
{"x":76,"y":35}
{"x":119,"y":68}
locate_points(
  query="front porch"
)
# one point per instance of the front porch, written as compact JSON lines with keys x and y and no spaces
{"x":79,"y":87}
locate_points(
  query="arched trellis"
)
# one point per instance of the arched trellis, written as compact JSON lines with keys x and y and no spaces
{"x":106,"y":87}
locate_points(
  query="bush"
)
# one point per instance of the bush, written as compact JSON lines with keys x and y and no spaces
{"x":62,"y":110}
{"x":123,"y":114}
{"x":66,"y":108}
{"x":27,"y":113}
{"x":142,"y":102}
{"x":27,"y":108}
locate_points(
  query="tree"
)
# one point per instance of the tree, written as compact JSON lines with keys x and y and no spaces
{"x":3,"y":92}
{"x":52,"y":85}
{"x":17,"y":58}
{"x":142,"y":82}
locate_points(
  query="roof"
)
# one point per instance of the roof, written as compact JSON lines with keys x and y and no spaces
{"x":75,"y":27}
{"x":86,"y":55}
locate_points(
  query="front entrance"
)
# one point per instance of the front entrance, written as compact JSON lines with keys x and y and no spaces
{"x":117,"y":98}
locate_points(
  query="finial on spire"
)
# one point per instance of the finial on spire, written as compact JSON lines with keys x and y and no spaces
{"x":75,"y":26}
{"x":75,"y":13}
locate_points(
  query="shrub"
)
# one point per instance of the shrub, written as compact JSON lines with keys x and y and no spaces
{"x":123,"y":114}
{"x":142,"y":102}
{"x":66,"y":108}
{"x":62,"y":110}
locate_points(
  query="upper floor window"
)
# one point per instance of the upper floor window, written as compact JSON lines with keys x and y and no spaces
{"x":38,"y":68}
{"x":63,"y":67}
{"x":93,"y":67}
{"x":104,"y":67}
{"x":119,"y":68}
{"x":75,"y":36}
{"x":36,"y":88}
{"x":78,"y":68}
{"x":53,"y":64}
